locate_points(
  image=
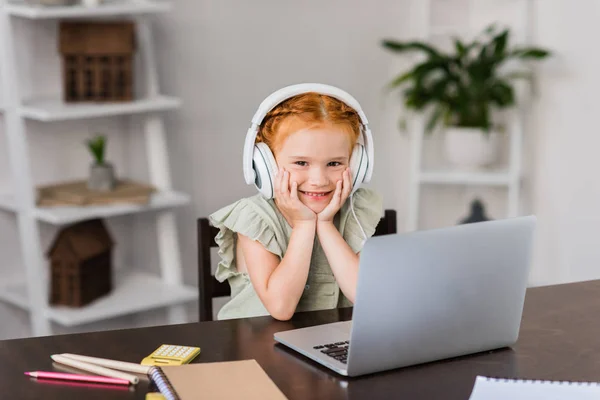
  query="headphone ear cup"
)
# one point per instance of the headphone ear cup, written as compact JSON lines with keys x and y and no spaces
{"x":265,"y":167}
{"x":358,"y":165}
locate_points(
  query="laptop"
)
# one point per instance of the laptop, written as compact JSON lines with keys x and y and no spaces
{"x":426,"y":296}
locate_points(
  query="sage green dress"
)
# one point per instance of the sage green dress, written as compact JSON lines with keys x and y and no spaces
{"x":259,"y":219}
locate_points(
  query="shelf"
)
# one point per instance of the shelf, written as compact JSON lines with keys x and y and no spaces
{"x":134,"y":292}
{"x":66,"y":214}
{"x":7,"y":202}
{"x":109,"y":9}
{"x":61,"y":215}
{"x":57,"y":110}
{"x":466,"y":178}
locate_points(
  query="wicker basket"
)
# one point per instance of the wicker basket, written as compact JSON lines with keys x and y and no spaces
{"x":97,"y":61}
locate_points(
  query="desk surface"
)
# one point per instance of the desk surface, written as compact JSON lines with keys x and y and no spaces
{"x":559,"y":339}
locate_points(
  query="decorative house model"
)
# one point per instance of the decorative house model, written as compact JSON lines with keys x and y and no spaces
{"x":80,"y":262}
{"x":97,"y":59}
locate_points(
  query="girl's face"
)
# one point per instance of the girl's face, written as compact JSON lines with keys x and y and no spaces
{"x":316,"y":159}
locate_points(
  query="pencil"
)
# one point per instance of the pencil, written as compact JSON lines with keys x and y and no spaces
{"x":77,"y":377}
{"x":96,"y":369}
{"x":104,"y":362}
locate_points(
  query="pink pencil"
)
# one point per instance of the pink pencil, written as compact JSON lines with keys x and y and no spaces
{"x":77,"y":377}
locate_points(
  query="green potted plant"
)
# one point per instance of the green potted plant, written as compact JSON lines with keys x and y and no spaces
{"x":102,"y":174}
{"x":459,"y":90}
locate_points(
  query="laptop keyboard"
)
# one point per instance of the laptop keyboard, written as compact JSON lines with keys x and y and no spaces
{"x":337,"y":350}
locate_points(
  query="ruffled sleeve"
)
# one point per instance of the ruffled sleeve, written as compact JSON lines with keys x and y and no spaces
{"x":250,"y":218}
{"x":368,"y":207}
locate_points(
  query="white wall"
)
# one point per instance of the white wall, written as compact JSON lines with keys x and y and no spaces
{"x":566,"y":184}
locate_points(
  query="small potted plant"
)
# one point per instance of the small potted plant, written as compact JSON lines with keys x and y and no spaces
{"x":461,"y":89}
{"x":102,"y":175}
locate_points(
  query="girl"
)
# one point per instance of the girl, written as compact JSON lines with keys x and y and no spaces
{"x":300,"y":250}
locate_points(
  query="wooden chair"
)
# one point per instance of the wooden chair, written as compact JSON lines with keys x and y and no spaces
{"x":387,"y":224}
{"x":210,"y":288}
{"x":208,"y":285}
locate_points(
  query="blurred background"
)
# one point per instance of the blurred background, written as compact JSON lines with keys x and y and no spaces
{"x":165,"y":92}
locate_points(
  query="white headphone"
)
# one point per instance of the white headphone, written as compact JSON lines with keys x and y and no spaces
{"x":259,"y":163}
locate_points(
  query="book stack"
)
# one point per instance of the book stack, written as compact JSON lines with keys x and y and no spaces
{"x":77,"y":194}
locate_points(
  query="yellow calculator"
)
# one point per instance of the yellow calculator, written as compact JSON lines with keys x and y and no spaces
{"x":169,"y":354}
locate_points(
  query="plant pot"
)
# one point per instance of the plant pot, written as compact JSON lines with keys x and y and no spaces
{"x":471,"y":148}
{"x":102,"y":177}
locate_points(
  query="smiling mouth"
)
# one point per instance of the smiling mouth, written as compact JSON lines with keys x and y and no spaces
{"x":315,"y":194}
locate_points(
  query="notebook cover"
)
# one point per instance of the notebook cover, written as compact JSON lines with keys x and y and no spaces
{"x":222,"y":380}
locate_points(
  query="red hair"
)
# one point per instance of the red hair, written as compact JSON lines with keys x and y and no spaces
{"x":309,"y":110}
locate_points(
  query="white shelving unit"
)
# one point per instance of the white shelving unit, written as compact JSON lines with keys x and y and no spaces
{"x":135,"y":290}
{"x":510,"y":178}
{"x":106,"y":9}
{"x":465,"y":178}
{"x":67,"y":215}
{"x":53,"y":110}
{"x":130,"y":296}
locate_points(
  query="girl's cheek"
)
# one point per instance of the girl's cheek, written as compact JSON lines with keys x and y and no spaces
{"x":295,"y":177}
{"x":338,"y":176}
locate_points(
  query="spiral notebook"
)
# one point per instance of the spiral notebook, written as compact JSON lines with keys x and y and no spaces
{"x":220,"y":380}
{"x":516,"y":389}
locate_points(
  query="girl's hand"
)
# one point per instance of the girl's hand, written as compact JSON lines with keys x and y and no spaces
{"x":286,"y":199}
{"x":342,"y":191}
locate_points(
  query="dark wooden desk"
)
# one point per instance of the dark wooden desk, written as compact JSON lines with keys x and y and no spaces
{"x":560,"y":339}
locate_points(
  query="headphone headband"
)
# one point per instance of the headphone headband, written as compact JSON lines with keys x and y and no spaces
{"x":288,"y":92}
